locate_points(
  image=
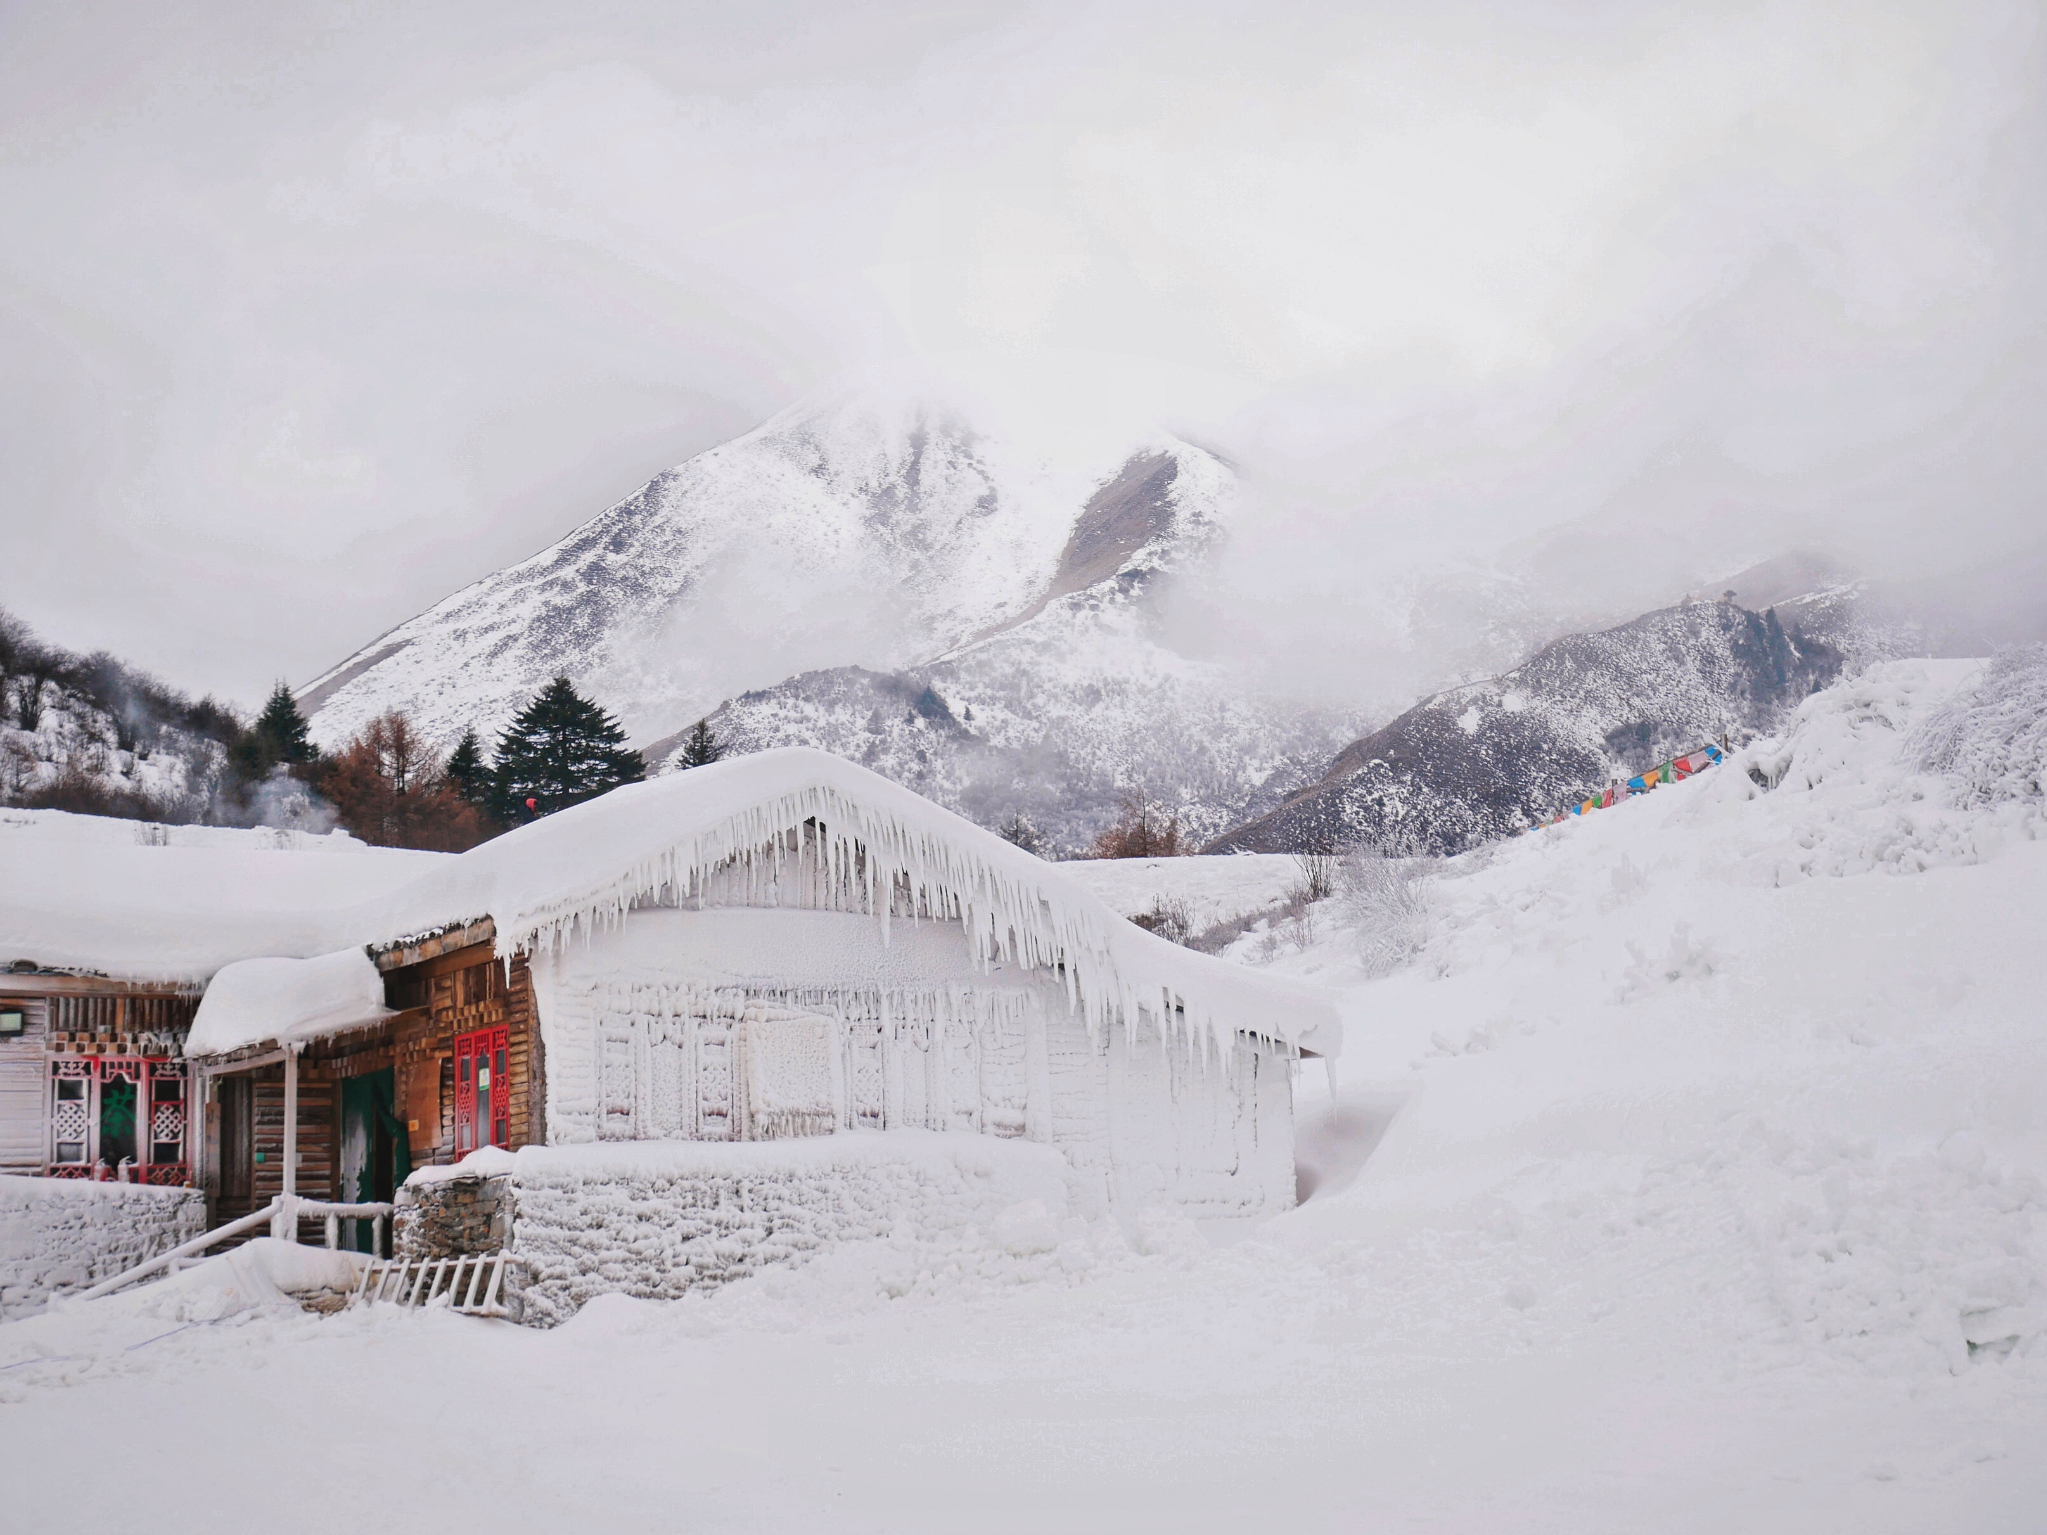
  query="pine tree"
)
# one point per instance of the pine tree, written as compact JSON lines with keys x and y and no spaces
{"x":560,"y":751}
{"x":466,"y":771}
{"x":1020,"y":830}
{"x":701,"y":746}
{"x":283,"y":729}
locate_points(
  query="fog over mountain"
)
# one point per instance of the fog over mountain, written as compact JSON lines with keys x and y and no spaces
{"x":1507,"y":321}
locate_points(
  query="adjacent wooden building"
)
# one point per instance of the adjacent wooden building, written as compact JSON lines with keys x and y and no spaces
{"x":93,"y":1083}
{"x":456,"y":1065}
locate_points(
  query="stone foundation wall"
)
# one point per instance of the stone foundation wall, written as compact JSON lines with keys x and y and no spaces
{"x":452,"y":1216}
{"x":58,"y":1235}
{"x":658,"y":1219}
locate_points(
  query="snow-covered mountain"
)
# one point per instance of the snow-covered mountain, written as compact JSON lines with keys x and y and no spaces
{"x":1491,"y":757}
{"x":968,"y":612}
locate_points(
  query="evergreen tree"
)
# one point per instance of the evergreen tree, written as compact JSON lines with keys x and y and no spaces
{"x":560,"y":751}
{"x":1020,"y":830}
{"x":283,"y":729}
{"x":466,"y":772}
{"x":701,"y":746}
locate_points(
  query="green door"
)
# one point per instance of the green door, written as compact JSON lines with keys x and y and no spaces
{"x":375,"y":1154}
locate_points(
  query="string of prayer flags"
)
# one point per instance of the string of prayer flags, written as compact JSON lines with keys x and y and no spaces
{"x":1674,"y":771}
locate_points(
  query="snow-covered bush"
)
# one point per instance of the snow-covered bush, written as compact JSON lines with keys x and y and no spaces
{"x":1168,"y":917}
{"x":1389,"y":902}
{"x":1992,"y":738}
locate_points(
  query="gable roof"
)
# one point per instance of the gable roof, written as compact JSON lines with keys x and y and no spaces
{"x":581,"y":870}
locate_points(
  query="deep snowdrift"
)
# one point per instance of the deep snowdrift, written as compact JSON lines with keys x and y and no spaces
{"x":1705,"y":1197}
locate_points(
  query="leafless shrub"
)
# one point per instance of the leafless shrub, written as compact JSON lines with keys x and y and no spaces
{"x":1299,"y":924}
{"x":1317,"y":881}
{"x":1218,"y":936}
{"x":28,"y":702}
{"x":19,"y":767}
{"x":1168,"y":918}
{"x":1389,"y":902}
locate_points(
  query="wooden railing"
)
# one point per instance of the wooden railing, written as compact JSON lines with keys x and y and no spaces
{"x":288,"y":1210}
{"x":282,"y":1215}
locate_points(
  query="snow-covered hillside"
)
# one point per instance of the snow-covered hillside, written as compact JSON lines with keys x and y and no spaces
{"x":1687,"y":1179}
{"x":1489,"y":758}
{"x":1057,"y":720}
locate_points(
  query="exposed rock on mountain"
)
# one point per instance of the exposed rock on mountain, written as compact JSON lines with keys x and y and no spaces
{"x":1060,"y":712}
{"x":1488,"y":758}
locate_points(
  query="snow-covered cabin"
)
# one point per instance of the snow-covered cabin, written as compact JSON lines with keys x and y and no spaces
{"x":780,"y":948}
{"x":785,"y":945}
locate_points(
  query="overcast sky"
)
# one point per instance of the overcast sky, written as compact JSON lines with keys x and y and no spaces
{"x":311,"y":313}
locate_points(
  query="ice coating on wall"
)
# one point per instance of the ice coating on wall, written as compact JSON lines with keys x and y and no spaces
{"x":659,"y":1219}
{"x":646,"y":1030}
{"x":63,"y":1234}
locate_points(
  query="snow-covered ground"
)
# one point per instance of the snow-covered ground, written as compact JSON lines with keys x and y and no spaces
{"x":1211,"y":891}
{"x":1687,"y":1180}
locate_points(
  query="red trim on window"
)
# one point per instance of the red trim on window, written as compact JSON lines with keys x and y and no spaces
{"x":483,"y":1097}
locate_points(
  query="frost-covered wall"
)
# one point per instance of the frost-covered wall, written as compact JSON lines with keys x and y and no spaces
{"x":658,"y":1030}
{"x":64,"y":1234}
{"x":659,"y":1219}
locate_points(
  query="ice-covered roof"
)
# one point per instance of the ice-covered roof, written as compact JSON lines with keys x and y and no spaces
{"x":104,"y":897}
{"x":144,"y":903}
{"x":254,"y":1000}
{"x":581,"y":870}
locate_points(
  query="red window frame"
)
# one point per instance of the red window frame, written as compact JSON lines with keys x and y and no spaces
{"x":483,"y":1096}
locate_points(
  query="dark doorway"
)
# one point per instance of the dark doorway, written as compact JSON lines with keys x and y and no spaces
{"x":375,"y":1151}
{"x":117,"y":1121}
{"x":237,"y":1144}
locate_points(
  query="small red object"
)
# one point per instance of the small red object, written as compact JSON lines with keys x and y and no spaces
{"x":533,"y":804}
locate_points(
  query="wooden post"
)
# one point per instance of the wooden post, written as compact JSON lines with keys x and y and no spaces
{"x":287,"y":1225}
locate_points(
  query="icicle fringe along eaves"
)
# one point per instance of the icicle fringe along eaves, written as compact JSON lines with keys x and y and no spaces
{"x":892,"y":868}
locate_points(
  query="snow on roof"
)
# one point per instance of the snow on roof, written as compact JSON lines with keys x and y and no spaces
{"x":582,"y":869}
{"x":254,"y":1000}
{"x":172,"y":904}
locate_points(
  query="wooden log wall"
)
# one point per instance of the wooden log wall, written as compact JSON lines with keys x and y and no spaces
{"x":319,"y":1171}
{"x":452,"y":994}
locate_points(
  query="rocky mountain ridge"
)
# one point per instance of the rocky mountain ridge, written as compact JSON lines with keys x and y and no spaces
{"x":1489,"y":758}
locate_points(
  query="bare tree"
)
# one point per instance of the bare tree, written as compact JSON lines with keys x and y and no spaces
{"x":1144,"y":830}
{"x":390,"y":789}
